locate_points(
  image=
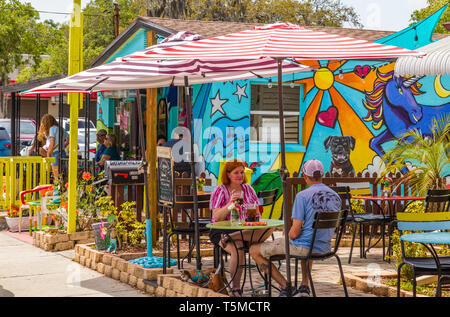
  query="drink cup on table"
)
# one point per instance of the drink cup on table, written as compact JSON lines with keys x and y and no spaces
{"x":252,"y":213}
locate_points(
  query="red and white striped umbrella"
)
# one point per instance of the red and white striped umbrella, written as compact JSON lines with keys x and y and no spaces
{"x":134,"y":74}
{"x":279,"y":40}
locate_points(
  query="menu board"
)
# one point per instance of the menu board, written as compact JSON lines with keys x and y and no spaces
{"x":165,"y":175}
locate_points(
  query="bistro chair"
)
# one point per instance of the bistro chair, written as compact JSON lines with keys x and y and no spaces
{"x":268,"y":198}
{"x":184,"y":203}
{"x":344,"y":194}
{"x":434,"y":265}
{"x":437,"y":200}
{"x":322,"y":220}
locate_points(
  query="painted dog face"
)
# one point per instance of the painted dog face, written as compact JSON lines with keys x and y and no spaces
{"x":340,"y":147}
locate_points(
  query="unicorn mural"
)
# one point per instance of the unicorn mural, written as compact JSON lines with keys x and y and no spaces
{"x":392,"y":103}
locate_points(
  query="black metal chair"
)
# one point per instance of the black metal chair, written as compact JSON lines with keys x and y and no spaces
{"x":268,"y":197}
{"x":185,"y":203}
{"x":437,"y":200}
{"x":352,"y":218}
{"x":322,"y":220}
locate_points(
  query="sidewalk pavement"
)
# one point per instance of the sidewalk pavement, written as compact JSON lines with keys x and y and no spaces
{"x":27,"y":271}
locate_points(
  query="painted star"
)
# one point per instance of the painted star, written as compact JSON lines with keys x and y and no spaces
{"x":240,"y":91}
{"x":217,"y":104}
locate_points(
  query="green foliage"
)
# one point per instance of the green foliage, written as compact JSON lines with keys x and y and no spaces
{"x":358,"y":206}
{"x":433,"y":6}
{"x":307,"y":12}
{"x":56,"y":39}
{"x":130,"y":232}
{"x":429,"y":154}
{"x":19,"y":34}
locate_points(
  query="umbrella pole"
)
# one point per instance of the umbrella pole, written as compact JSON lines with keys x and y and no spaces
{"x":194,"y":180}
{"x":144,"y":155}
{"x":284,"y":175}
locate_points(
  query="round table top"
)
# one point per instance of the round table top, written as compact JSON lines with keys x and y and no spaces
{"x":226,"y":225}
{"x":428,"y":237}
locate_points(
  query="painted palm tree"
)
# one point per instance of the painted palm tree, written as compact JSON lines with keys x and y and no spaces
{"x":427,"y":157}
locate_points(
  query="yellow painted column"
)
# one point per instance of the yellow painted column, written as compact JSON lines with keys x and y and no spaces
{"x":151,"y":127}
{"x":75,"y":101}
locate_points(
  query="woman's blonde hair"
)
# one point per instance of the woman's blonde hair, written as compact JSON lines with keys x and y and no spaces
{"x":230,"y":166}
{"x":47,"y":122}
{"x":112,"y":138}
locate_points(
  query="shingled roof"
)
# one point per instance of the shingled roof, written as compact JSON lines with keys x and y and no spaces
{"x":216,"y":28}
{"x":210,"y":29}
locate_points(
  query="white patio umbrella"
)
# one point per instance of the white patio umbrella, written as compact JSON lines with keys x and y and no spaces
{"x":125,"y":73}
{"x":436,"y":62}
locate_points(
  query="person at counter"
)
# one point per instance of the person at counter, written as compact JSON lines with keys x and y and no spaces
{"x":110,"y":152}
{"x":101,"y":135}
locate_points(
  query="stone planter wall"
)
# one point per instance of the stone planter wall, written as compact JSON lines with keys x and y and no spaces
{"x":368,"y":284}
{"x":61,"y":241}
{"x":156,"y":283}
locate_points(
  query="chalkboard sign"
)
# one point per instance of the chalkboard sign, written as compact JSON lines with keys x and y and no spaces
{"x":165,"y":175}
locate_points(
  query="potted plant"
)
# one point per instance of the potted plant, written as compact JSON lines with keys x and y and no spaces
{"x":12,"y":219}
{"x":386,"y":181}
{"x":426,"y":155}
{"x":200,"y":184}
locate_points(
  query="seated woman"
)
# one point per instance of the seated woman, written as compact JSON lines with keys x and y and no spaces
{"x":110,"y":153}
{"x":234,"y":185}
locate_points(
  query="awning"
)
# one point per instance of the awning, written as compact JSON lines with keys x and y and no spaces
{"x":436,"y":62}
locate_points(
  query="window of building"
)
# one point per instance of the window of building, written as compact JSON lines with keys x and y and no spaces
{"x":264,"y":115}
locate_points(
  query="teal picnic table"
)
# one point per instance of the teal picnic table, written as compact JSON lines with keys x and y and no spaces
{"x":226,"y":225}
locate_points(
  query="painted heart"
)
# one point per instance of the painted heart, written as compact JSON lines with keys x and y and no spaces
{"x":328,"y":118}
{"x":363,"y":71}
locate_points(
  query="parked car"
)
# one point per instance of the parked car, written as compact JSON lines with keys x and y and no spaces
{"x":27,"y":130}
{"x":81,"y":134}
{"x":5,"y":142}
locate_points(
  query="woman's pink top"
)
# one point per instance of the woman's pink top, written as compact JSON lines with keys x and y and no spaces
{"x":222,"y":195}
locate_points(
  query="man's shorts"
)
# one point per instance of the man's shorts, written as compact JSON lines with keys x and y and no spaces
{"x":277,"y":246}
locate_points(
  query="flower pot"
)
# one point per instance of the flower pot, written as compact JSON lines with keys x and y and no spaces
{"x":13,"y":223}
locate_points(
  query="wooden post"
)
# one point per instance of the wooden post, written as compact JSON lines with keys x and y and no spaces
{"x":151,"y":126}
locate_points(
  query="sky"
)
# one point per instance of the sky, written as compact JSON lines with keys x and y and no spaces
{"x":389,"y":15}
